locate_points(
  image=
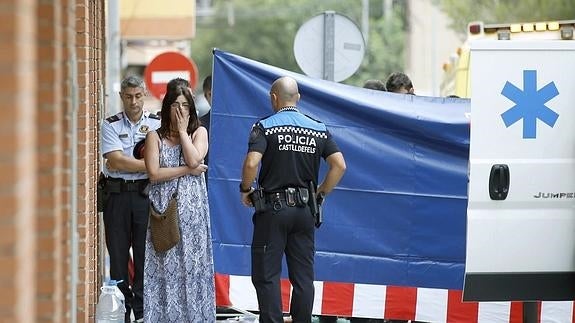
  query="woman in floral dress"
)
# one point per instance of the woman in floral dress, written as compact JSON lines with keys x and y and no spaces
{"x":179,"y":283}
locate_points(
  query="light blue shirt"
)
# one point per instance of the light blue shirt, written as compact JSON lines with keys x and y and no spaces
{"x":119,"y":133}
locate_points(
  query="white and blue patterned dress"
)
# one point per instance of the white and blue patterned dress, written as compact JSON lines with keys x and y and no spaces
{"x":179,"y":283}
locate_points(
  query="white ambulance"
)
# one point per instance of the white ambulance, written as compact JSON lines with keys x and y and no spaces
{"x":521,"y":211}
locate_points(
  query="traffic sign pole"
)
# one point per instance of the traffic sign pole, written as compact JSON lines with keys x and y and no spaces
{"x":328,"y":45}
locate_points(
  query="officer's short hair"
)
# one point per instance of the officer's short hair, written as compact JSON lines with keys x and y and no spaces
{"x":132,"y":81}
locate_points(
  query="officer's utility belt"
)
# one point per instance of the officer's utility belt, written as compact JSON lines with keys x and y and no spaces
{"x":276,"y":200}
{"x":117,"y":185}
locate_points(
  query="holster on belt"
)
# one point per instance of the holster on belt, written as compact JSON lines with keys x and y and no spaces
{"x":315,"y":204}
{"x":258,"y":199}
{"x":101,"y":193}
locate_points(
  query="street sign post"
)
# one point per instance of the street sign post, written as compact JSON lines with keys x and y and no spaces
{"x":329,"y":46}
{"x":166,"y":67}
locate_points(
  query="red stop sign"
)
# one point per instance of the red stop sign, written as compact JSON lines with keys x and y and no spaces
{"x":168,"y":66}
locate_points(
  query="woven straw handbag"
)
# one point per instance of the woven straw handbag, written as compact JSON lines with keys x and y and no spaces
{"x":165,"y":227}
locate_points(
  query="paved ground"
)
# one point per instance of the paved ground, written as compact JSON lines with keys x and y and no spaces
{"x":241,"y":319}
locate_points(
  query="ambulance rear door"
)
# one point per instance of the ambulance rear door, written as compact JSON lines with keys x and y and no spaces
{"x":521,"y":211}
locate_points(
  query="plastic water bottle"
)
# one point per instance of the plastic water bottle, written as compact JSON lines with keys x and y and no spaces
{"x":110,"y":307}
{"x":118,"y":292}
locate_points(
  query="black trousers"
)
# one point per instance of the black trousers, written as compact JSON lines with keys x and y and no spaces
{"x":289,"y":230}
{"x":126,"y":223}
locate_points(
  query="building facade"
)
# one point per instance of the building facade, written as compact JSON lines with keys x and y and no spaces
{"x":429,"y":42}
{"x":52,"y":67}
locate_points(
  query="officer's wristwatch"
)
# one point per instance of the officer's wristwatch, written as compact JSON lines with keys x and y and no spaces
{"x":242,"y":190}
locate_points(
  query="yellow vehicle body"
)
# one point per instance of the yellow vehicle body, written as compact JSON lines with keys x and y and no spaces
{"x":456,"y":79}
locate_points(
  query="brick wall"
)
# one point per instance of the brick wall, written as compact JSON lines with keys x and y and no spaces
{"x":18,"y":179}
{"x":52,"y":72}
{"x":90,"y":55}
{"x":51,"y":225}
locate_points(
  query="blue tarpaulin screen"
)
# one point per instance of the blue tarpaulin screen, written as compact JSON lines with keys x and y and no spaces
{"x":397,"y":217}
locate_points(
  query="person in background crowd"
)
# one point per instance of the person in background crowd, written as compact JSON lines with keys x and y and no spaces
{"x":126,"y":209}
{"x":399,"y":83}
{"x":179,"y":283}
{"x":283,"y":222}
{"x":374,"y":85}
{"x":205,"y":119}
{"x":175,"y":83}
{"x":207,"y":88}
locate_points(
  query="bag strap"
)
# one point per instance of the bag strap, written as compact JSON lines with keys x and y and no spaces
{"x":179,"y":164}
{"x":179,"y":177}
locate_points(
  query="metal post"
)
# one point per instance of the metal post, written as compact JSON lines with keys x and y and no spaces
{"x":432,"y":57}
{"x":113,"y":61}
{"x":328,"y":45}
{"x":102,"y":251}
{"x":387,"y":10}
{"x":365,"y":20}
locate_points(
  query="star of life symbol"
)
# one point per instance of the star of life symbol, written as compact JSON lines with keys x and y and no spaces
{"x":530,"y":104}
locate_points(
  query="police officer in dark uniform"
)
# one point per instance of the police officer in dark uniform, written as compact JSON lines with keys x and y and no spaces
{"x":126,"y":209}
{"x":289,"y":146}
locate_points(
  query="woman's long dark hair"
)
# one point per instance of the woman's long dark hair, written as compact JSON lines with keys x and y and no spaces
{"x":170,"y":98}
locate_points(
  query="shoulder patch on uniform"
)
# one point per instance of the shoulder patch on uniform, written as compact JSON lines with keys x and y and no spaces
{"x":256,"y":131}
{"x":113,"y":118}
{"x":154,"y":116}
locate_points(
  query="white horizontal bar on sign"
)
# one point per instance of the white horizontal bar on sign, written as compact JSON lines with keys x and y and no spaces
{"x":494,"y":312}
{"x":161,"y":77}
{"x":242,"y":293}
{"x":431,"y":305}
{"x":369,"y":300}
{"x":556,"y":311}
{"x":318,"y":297}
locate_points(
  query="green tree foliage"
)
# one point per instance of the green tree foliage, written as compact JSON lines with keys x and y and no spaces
{"x":506,"y":11}
{"x":385,"y":51}
{"x":264,"y":30}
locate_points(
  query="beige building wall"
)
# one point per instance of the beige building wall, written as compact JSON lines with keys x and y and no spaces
{"x":430,"y":42}
{"x":151,"y":27}
{"x":153,"y":19}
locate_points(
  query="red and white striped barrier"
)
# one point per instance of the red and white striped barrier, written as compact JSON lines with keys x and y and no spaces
{"x":392,"y":302}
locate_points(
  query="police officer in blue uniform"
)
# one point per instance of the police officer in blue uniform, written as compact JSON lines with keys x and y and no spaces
{"x":289,"y":145}
{"x":126,"y":209}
